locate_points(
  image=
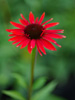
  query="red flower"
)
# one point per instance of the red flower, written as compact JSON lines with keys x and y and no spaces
{"x":34,"y":33}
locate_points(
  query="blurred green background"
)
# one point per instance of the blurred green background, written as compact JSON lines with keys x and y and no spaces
{"x":15,"y":63}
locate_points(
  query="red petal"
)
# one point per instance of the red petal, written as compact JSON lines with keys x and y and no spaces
{"x":32,"y":43}
{"x":18,"y":41}
{"x":17,"y":33}
{"x":36,"y":21}
{"x":51,"y":40}
{"x":24,"y":19}
{"x":54,"y":31}
{"x":14,"y":30}
{"x":47,"y":21}
{"x":38,"y":50}
{"x":21,"y":42}
{"x":57,"y":36}
{"x":38,"y":42}
{"x":17,"y":25}
{"x":29,"y":47}
{"x":42,"y":33}
{"x":41,"y":19}
{"x":48,"y":45}
{"x":57,"y":45}
{"x":25,"y":43}
{"x":15,"y":42}
{"x":11,"y":35}
{"x":51,"y":25}
{"x":23,"y":22}
{"x":14,"y":38}
{"x":31,"y":17}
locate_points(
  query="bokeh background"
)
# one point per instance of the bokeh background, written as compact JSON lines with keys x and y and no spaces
{"x":56,"y":65}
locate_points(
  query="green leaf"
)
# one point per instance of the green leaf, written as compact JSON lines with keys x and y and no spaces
{"x":45,"y":91}
{"x":14,"y":94}
{"x":53,"y":97}
{"x":39,"y":83}
{"x":20,"y":80}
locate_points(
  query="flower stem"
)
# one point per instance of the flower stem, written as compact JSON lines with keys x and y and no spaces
{"x":33,"y":60}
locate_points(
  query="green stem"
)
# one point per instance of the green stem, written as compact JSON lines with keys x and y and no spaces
{"x":34,"y":56}
{"x":5,"y":10}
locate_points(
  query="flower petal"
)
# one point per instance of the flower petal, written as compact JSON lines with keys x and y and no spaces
{"x":17,"y":33}
{"x":17,"y":25}
{"x":24,"y":19}
{"x":23,"y":40}
{"x":25,"y":43}
{"x":51,"y":25}
{"x":14,"y":30}
{"x":57,"y":36}
{"x":31,"y":17}
{"x":29,"y":47}
{"x":51,"y":40}
{"x":18,"y":40}
{"x":47,"y":21}
{"x":38,"y":42}
{"x":11,"y":35}
{"x":41,"y":19}
{"x":32,"y":43}
{"x":39,"y":50}
{"x":36,"y":21}
{"x":43,"y":32}
{"x":48,"y":45}
{"x":57,"y":45}
{"x":23,"y":22}
{"x":14,"y":38}
{"x":54,"y":31}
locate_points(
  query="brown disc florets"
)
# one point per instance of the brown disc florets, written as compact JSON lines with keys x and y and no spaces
{"x":33,"y":31}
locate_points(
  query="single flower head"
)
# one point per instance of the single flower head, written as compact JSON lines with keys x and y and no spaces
{"x":35,"y":33}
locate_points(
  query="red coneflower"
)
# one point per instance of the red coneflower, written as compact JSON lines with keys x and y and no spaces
{"x":34,"y":33}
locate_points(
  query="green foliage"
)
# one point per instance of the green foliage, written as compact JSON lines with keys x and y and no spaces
{"x":53,"y":97}
{"x":20,"y":80}
{"x":45,"y":91}
{"x":14,"y":94}
{"x":39,"y":83}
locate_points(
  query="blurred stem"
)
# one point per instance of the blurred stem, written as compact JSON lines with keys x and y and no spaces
{"x":33,"y":60}
{"x":5,"y":10}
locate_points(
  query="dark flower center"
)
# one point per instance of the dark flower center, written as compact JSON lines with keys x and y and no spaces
{"x":33,"y":31}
